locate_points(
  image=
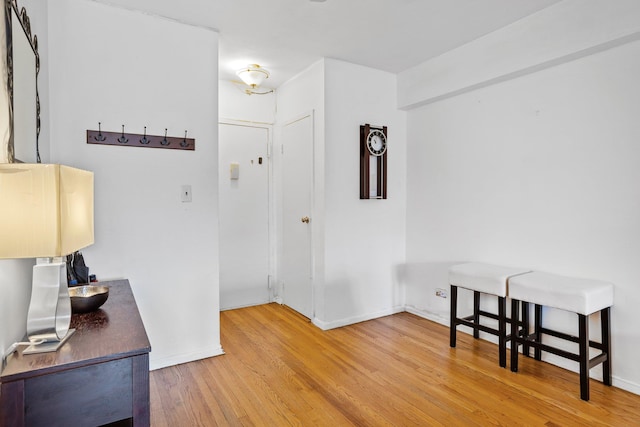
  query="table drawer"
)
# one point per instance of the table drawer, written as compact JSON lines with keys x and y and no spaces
{"x":88,"y":396}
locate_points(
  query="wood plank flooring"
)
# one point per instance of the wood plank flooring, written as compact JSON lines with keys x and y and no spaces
{"x":399,"y":370}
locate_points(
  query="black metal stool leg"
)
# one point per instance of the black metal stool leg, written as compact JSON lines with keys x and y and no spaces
{"x":605,"y":324}
{"x":515,"y":304}
{"x":453,"y":316}
{"x":583,"y":344}
{"x":537,"y":330}
{"x":502,"y":331}
{"x":525,"y":327}
{"x":476,"y":313}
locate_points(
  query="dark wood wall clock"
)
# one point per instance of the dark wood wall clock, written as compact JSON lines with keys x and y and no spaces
{"x":373,"y":162}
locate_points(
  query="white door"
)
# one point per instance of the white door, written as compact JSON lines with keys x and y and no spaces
{"x":297,"y":139}
{"x":243,"y":215}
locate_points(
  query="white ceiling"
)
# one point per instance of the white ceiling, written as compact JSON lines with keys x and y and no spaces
{"x":286,"y":36}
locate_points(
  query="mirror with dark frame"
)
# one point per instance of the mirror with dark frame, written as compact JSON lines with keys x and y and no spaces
{"x":22,"y":68}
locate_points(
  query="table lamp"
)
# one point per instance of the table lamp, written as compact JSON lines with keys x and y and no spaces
{"x":46,"y":212}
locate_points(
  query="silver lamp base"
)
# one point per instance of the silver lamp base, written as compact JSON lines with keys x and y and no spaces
{"x":48,"y":346}
{"x":49,"y":314}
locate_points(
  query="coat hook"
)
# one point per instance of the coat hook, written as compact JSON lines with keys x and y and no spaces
{"x":123,"y":139}
{"x":99,"y":136}
{"x":144,"y":139}
{"x":184,"y":142}
{"x":164,"y":141}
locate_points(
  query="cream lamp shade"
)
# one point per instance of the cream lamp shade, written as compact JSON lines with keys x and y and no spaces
{"x":45,"y":210}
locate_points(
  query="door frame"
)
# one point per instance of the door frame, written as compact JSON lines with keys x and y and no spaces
{"x":271,"y":205}
{"x":312,"y":207}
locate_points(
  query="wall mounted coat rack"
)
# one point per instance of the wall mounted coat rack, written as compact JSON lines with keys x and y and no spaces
{"x":137,"y":140}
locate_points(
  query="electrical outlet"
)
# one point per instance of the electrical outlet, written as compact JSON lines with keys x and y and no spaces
{"x":442,"y":293}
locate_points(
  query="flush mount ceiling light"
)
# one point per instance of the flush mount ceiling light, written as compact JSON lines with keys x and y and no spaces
{"x":253,"y":76}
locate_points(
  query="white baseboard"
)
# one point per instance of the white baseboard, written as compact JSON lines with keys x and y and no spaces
{"x":325,"y":326}
{"x":595,"y":373}
{"x":629,"y":386}
{"x":177,"y":359}
{"x":235,"y":307}
{"x":429,"y":316}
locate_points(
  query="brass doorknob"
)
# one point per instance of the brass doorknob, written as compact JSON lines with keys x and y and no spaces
{"x":305,"y":219}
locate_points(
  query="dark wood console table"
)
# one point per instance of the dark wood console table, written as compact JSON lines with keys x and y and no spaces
{"x":100,"y":376}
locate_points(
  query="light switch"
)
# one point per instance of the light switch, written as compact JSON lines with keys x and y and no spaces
{"x":234,"y":170}
{"x":186,"y":194}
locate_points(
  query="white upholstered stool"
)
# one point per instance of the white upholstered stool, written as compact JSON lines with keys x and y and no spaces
{"x":581,"y":296}
{"x":482,"y":279}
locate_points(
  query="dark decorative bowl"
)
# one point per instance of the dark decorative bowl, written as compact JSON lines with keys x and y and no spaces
{"x":87,"y":298}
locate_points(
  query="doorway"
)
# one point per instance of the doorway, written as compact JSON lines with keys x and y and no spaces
{"x":244,"y":176}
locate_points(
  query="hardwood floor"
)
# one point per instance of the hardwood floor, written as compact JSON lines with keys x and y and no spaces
{"x":399,"y":370}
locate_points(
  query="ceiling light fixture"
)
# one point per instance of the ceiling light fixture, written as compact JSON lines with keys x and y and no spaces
{"x":253,"y":76}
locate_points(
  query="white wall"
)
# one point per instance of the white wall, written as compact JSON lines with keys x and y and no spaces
{"x":358,"y":245}
{"x":540,"y":172}
{"x":121,"y":67}
{"x":15,"y":292}
{"x":364,"y":239}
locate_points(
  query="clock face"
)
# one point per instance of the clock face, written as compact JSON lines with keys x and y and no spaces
{"x":377,"y":142}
